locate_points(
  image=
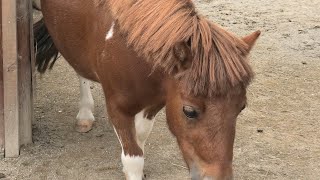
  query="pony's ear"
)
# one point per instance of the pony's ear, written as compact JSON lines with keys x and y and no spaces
{"x":182,"y":53}
{"x":251,"y":39}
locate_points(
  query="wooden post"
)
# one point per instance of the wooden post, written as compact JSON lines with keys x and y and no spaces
{"x":25,"y":49}
{"x":1,"y":90}
{"x":17,"y":74}
{"x":10,"y":78}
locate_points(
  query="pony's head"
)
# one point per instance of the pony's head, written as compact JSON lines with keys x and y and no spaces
{"x":204,"y":123}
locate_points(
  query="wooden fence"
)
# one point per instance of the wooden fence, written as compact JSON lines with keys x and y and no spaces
{"x":16,"y":75}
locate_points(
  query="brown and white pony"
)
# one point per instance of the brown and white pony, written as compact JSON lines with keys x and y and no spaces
{"x":149,"y":54}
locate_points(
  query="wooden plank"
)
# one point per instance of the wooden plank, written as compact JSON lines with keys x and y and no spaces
{"x":10,"y":78}
{"x":24,"y":14}
{"x":33,"y":60}
{"x":1,"y":91}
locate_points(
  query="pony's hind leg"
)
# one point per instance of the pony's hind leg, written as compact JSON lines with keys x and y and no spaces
{"x":85,"y":116}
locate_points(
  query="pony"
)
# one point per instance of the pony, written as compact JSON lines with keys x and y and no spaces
{"x":148,"y":55}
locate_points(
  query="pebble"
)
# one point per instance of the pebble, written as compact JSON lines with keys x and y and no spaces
{"x":100,"y":135}
{"x":260,"y":131}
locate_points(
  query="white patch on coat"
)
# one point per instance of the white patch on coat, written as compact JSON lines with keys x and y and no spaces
{"x":110,"y":32}
{"x":132,"y":166}
{"x":143,"y":127}
{"x":86,"y":103}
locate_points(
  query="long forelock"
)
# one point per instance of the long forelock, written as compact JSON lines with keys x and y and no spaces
{"x":153,"y":28}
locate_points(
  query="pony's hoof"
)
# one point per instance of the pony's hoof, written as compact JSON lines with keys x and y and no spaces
{"x":84,"y":126}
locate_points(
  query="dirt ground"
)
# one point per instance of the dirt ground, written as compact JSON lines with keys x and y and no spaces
{"x":284,"y":102}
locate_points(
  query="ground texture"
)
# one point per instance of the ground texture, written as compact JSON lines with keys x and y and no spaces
{"x":284,"y":103}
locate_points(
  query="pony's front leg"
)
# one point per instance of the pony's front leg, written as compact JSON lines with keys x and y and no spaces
{"x":132,"y":136}
{"x":85,"y":116}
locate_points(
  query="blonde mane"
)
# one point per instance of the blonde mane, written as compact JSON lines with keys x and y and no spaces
{"x":153,"y":28}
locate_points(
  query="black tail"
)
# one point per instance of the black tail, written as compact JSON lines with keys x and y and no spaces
{"x":46,"y":51}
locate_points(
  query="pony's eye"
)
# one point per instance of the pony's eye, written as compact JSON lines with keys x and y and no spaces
{"x":190,"y":112}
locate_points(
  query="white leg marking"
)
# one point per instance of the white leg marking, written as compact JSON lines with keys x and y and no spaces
{"x":132,"y":166}
{"x":143,"y":128}
{"x":86,"y":103}
{"x":110,"y":32}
